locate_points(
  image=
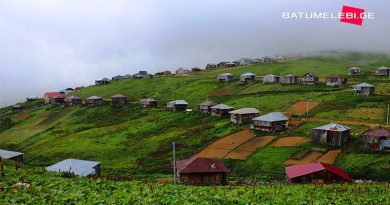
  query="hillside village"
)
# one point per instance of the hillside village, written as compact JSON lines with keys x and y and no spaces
{"x":231,"y":121}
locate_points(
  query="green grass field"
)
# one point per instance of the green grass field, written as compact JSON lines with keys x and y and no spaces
{"x":136,"y":142}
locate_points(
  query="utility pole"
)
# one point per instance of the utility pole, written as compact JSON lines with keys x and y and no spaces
{"x":174,"y":162}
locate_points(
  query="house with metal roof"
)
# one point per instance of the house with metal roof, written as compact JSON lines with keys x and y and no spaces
{"x":82,"y":168}
{"x":11,"y":155}
{"x":94,"y":101}
{"x":49,"y":95}
{"x":103,"y":81}
{"x":317,"y":173}
{"x":243,"y":115}
{"x":221,"y":110}
{"x":289,"y":79}
{"x":119,"y":100}
{"x":31,"y":98}
{"x":225,"y":77}
{"x":118,"y":77}
{"x":354,"y":71}
{"x":274,"y":121}
{"x":308,"y":79}
{"x":378,"y":139}
{"x":211,"y":66}
{"x":247,"y":78}
{"x":271,"y":78}
{"x":58,"y":99}
{"x":364,"y":89}
{"x":201,"y":171}
{"x":177,"y":105}
{"x":332,"y":134}
{"x":383,"y":71}
{"x":205,"y":107}
{"x":148,"y":102}
{"x":73,"y":100}
{"x":229,"y":65}
{"x":336,"y":80}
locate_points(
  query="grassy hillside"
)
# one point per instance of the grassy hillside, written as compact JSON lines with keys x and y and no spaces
{"x":136,"y":141}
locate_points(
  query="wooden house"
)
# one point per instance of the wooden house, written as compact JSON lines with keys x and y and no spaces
{"x":94,"y":101}
{"x":383,"y":71}
{"x":17,"y":108}
{"x":309,"y":79}
{"x":177,"y":105}
{"x":274,"y":121}
{"x":195,"y":69}
{"x":31,"y":98}
{"x":201,"y":171}
{"x":225,"y":77}
{"x":82,"y":168}
{"x":335,"y":80}
{"x":221,"y":110}
{"x":331,"y":134}
{"x":73,"y":100}
{"x":205,"y":107}
{"x":271,"y":78}
{"x":316,"y":173}
{"x":11,"y":155}
{"x":119,"y":100}
{"x":378,"y":139}
{"x":48,"y":96}
{"x":103,"y":81}
{"x":211,"y":66}
{"x":142,"y":74}
{"x":182,"y":71}
{"x":148,"y":102}
{"x":118,"y":77}
{"x":247,"y":78}
{"x":58,"y":100}
{"x":222,"y":64}
{"x":289,"y":79}
{"x":229,"y":65}
{"x":354,"y":71}
{"x":243,"y":115}
{"x":364,"y":89}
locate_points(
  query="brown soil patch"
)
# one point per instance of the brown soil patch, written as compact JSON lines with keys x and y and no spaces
{"x":238,"y":154}
{"x":22,"y":116}
{"x":213,"y":153}
{"x":295,"y":123}
{"x":233,"y":141}
{"x":246,"y":149}
{"x":311,"y":157}
{"x":301,"y":107}
{"x":290,"y":142}
{"x":329,"y":157}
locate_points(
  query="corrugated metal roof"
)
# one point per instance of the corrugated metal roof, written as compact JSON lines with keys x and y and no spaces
{"x":245,"y":111}
{"x":52,"y":94}
{"x":119,"y":96}
{"x":78,"y":167}
{"x":271,"y":75}
{"x":73,"y":97}
{"x":272,"y":117}
{"x":333,"y":127}
{"x":363,"y":85}
{"x":6,"y":154}
{"x":378,"y":133}
{"x":383,"y":68}
{"x":200,"y":165}
{"x":248,"y":74}
{"x":222,"y":107}
{"x":208,"y":103}
{"x":94,"y":98}
{"x":147,"y":100}
{"x":304,"y":169}
{"x":225,"y":74}
{"x":179,"y":102}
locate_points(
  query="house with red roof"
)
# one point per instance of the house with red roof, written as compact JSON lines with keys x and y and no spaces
{"x":201,"y":171}
{"x":316,"y":173}
{"x":378,"y":139}
{"x":48,"y":96}
{"x":332,"y":134}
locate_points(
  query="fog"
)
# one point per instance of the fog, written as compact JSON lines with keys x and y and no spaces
{"x":49,"y":45}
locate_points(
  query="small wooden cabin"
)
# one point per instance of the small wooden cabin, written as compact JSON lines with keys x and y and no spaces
{"x":378,"y":139}
{"x":103,"y":81}
{"x":354,"y":71}
{"x":309,"y":79}
{"x":195,"y":69}
{"x":48,"y":96}
{"x":177,"y":105}
{"x":11,"y":155}
{"x":225,"y":77}
{"x":247,"y":78}
{"x":335,"y":80}
{"x":94,"y":101}
{"x":221,"y":110}
{"x":316,"y":173}
{"x":201,"y":171}
{"x":243,"y":115}
{"x":211,"y":66}
{"x":148,"y":102}
{"x":274,"y":121}
{"x":271,"y":78}
{"x":82,"y":168}
{"x":364,"y":89}
{"x":119,"y":100}
{"x":58,"y":100}
{"x":229,"y":65}
{"x":73,"y":100}
{"x":383,"y":71}
{"x":205,"y":107}
{"x":289,"y":79}
{"x":331,"y":134}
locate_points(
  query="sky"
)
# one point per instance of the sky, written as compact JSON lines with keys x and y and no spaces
{"x":49,"y":45}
